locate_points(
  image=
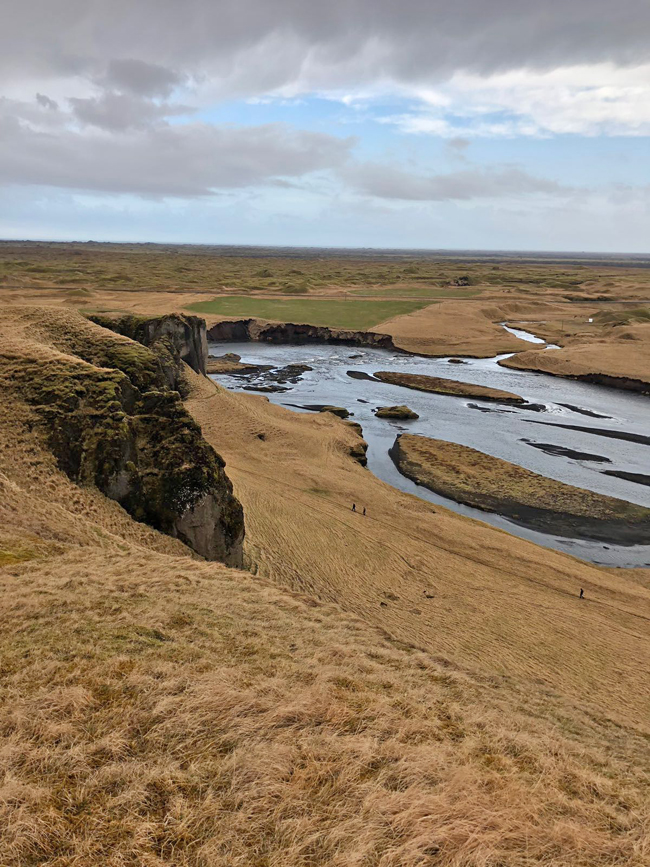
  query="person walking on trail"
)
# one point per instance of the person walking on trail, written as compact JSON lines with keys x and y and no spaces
{"x":582,"y":593}
{"x":354,"y":507}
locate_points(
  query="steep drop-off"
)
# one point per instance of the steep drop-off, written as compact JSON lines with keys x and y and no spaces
{"x":289,"y":332}
{"x":111,"y":420}
{"x":174,"y":338}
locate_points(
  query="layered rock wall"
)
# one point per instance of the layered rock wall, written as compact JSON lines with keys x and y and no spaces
{"x":289,"y":332}
{"x":174,"y":339}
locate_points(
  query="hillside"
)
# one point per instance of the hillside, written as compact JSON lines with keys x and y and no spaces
{"x":617,"y":355}
{"x":410,"y":688}
{"x":302,"y":533}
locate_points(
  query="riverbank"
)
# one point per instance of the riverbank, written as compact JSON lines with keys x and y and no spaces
{"x":621,"y":365}
{"x":343,"y":376}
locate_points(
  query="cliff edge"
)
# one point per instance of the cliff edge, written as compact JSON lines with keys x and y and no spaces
{"x":110,"y":411}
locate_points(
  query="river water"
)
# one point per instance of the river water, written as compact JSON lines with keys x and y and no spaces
{"x":507,"y":432}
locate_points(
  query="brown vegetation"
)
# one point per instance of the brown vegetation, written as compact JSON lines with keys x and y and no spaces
{"x":468,"y":476}
{"x":438,"y":385}
{"x":399,"y":412}
{"x":158,"y":711}
{"x":596,"y":309}
{"x":404,"y":689}
{"x":618,"y":357}
{"x":302,"y":534}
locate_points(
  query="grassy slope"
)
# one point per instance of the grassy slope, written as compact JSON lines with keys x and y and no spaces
{"x":491,"y":596}
{"x":453,"y":328}
{"x":353,"y":315}
{"x":621,"y":351}
{"x":160,"y":710}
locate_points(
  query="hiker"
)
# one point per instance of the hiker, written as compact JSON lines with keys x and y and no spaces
{"x":582,"y":593}
{"x":364,"y":511}
{"x":354,"y":507}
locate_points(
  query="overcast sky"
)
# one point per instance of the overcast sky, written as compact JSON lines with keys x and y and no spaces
{"x":486,"y":124}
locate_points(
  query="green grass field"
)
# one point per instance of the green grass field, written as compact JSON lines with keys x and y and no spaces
{"x":354,"y":315}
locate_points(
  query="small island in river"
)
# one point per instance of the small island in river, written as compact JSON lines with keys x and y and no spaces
{"x":439,"y":385}
{"x":491,"y":484}
{"x":399,"y":412}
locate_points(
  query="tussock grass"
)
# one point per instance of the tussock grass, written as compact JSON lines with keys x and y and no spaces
{"x":162,"y":267}
{"x":159,"y":711}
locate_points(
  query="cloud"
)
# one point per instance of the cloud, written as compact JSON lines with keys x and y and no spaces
{"x":267,"y":44}
{"x":118,"y":112}
{"x":580,"y":100}
{"x":46,"y":102}
{"x":389,"y":182}
{"x":114,"y":81}
{"x":180,"y":160}
{"x":471,"y":67}
{"x":140,"y":78}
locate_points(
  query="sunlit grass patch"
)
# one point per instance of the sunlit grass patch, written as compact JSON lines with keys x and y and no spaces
{"x":352,"y":314}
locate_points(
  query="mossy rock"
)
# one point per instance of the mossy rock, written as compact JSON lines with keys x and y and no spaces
{"x":111,"y":420}
{"x":339,"y":411}
{"x":172,"y":339}
{"x":398,"y":412}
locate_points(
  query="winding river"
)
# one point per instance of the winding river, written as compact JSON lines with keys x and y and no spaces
{"x":540,"y":441}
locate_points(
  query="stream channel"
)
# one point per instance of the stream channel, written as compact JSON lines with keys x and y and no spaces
{"x":516,"y":434}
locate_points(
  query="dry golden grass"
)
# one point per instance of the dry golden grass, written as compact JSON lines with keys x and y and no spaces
{"x":453,"y":328}
{"x":553,"y":299}
{"x":409,"y":689}
{"x":463,"y":590}
{"x":160,"y":711}
{"x":620,"y":351}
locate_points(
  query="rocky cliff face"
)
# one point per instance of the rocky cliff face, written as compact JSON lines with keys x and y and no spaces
{"x":174,"y":338}
{"x":116,"y":424}
{"x":289,"y":332}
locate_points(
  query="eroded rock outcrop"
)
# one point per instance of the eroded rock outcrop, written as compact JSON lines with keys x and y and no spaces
{"x":174,"y":338}
{"x":289,"y":332}
{"x":115,"y":423}
{"x":359,"y":449}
